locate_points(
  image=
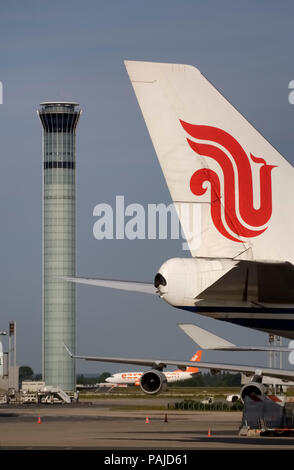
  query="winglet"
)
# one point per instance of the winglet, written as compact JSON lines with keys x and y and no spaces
{"x":205,"y":339}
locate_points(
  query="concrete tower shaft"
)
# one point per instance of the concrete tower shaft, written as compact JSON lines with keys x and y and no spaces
{"x":59,"y":121}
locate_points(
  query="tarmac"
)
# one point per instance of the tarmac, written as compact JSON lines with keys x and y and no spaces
{"x":110,"y":424}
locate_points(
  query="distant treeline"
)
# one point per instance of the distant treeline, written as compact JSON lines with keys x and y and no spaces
{"x":223,"y":379}
{"x":91,"y":380}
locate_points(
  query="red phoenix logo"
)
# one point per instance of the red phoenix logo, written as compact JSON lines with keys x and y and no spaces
{"x":249,"y":215}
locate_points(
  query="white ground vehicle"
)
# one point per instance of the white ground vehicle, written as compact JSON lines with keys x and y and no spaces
{"x":233,"y":398}
{"x":208,"y":401}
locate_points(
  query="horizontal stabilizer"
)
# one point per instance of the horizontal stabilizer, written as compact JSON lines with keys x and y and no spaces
{"x":143,"y":287}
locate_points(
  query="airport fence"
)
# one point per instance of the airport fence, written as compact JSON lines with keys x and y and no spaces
{"x":217,"y":406}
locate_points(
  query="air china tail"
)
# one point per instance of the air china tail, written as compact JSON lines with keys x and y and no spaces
{"x":234,"y":194}
{"x":233,"y":191}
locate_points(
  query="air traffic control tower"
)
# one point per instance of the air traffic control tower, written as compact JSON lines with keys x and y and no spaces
{"x":59,"y":121}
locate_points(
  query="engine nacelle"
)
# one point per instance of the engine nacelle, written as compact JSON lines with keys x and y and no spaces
{"x":180,"y":280}
{"x":254,"y":390}
{"x":153,"y":382}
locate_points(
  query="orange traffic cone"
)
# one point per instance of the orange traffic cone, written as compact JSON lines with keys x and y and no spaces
{"x":147,"y":420}
{"x":39,"y":420}
{"x":209,"y":433}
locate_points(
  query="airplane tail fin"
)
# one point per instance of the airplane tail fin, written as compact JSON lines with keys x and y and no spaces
{"x":232,"y":190}
{"x":196,"y":358}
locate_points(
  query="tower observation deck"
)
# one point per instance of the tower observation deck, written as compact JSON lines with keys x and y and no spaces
{"x":59,"y":121}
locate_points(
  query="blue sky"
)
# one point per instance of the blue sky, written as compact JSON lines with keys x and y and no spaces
{"x":74,"y":50}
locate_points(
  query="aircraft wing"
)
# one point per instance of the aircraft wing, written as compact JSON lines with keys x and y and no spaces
{"x":159,"y":364}
{"x":207,"y":340}
{"x":143,"y":287}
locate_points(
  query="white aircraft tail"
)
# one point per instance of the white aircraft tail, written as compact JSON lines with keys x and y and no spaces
{"x":232,"y":190}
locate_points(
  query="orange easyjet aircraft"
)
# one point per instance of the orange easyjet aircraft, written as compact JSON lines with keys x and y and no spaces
{"x":133,"y":378}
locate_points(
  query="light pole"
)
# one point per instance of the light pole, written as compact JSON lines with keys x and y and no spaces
{"x":2,"y":333}
{"x":12,"y":372}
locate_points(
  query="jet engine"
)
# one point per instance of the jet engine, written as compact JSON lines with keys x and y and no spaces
{"x":253,"y":390}
{"x":153,"y":382}
{"x":180,"y":280}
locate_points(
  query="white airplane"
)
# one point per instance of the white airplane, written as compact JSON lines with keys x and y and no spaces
{"x":219,"y":166}
{"x":133,"y":378}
